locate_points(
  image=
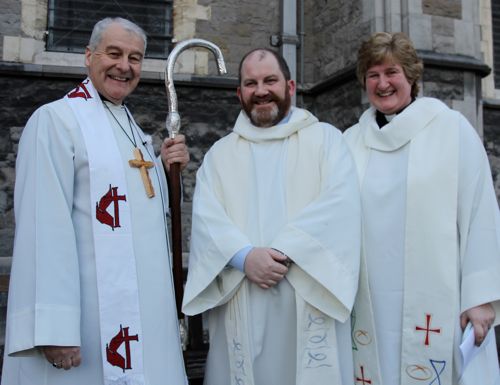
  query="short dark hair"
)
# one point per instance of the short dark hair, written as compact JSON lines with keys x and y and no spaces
{"x":285,"y":70}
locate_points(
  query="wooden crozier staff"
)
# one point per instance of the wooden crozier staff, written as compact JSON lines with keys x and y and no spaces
{"x":173,"y":125}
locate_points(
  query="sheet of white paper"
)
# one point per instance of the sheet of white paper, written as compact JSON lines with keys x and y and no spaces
{"x":468,"y":349}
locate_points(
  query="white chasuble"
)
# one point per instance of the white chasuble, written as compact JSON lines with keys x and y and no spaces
{"x":291,"y":187}
{"x":54,"y":296}
{"x":418,"y":206}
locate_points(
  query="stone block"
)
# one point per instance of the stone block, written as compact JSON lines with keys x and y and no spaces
{"x":15,"y":133}
{"x":186,"y":13}
{"x":185,"y":62}
{"x":471,"y":11}
{"x":466,"y":38}
{"x":6,"y":241}
{"x":444,"y":44}
{"x":468,"y":108}
{"x":67,"y":63}
{"x":415,"y":7}
{"x":10,"y":19}
{"x":201,"y":60}
{"x":420,"y":31}
{"x":491,"y":138}
{"x":11,"y":48}
{"x":447,"y":8}
{"x":28,"y":48}
{"x":29,"y":16}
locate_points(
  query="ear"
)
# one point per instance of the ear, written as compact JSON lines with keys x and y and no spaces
{"x":88,"y":54}
{"x":238,"y":93}
{"x":291,"y":87}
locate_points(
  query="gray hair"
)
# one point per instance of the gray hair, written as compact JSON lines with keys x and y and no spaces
{"x":101,"y":26}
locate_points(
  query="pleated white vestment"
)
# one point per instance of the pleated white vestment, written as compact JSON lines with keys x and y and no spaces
{"x":53,"y":296}
{"x":431,"y":246}
{"x":292,"y":187}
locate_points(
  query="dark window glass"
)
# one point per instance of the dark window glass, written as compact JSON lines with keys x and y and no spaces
{"x":495,"y":15}
{"x":71,"y":21}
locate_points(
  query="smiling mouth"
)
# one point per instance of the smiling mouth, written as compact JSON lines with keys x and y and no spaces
{"x":263,"y":102}
{"x":119,"y":78}
{"x":386,"y":93}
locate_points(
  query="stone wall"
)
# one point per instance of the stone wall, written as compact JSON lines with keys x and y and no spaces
{"x":444,"y":85}
{"x":446,"y":8}
{"x":339,"y":104}
{"x":491,"y":116}
{"x":10,"y":19}
{"x":18,"y":99}
{"x":207,"y":114}
{"x":333,"y":32}
{"x":239,"y":26}
{"x":207,"y":111}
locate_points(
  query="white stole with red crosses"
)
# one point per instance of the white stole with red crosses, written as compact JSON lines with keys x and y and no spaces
{"x":430,"y":304}
{"x":120,"y":322}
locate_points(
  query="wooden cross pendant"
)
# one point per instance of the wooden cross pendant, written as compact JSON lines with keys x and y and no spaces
{"x":143,"y":166}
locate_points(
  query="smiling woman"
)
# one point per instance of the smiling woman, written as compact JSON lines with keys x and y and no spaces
{"x":431,"y":224}
{"x":387,"y":88}
{"x":389,"y":70}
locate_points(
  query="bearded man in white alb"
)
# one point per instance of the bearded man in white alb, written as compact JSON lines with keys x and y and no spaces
{"x":90,"y":288}
{"x":274,"y":251}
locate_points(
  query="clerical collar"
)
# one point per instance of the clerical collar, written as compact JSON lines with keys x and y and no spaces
{"x":383,"y":119}
{"x":286,"y":119}
{"x":105,"y":99}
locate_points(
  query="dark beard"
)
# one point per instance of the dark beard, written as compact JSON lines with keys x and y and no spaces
{"x":272,"y":117}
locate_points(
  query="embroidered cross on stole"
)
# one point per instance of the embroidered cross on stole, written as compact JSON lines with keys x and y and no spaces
{"x":143,"y":166}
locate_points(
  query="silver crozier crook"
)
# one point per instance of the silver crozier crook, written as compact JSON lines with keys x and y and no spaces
{"x":173,"y":118}
{"x":173,"y":124}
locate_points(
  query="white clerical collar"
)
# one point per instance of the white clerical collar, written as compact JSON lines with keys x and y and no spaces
{"x":106,"y":100}
{"x":286,"y":119}
{"x":403,"y":126}
{"x":390,"y":117}
{"x":297,"y":119}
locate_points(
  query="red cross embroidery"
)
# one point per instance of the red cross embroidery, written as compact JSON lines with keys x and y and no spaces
{"x":102,"y":215}
{"x":80,"y":92}
{"x":363,"y":380}
{"x":427,"y":329}
{"x":112,"y":355}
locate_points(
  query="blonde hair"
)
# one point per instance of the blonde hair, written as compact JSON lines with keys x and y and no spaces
{"x":397,"y":47}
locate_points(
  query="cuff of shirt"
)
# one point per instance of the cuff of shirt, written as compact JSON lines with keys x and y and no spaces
{"x":238,"y":260}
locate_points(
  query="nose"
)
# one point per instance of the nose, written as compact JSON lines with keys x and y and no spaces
{"x":123,"y":64}
{"x":261,"y":90}
{"x":383,"y":81}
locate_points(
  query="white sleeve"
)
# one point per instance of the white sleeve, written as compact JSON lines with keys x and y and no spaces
{"x":44,"y":294}
{"x":479,"y":224}
{"x":215,"y":239}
